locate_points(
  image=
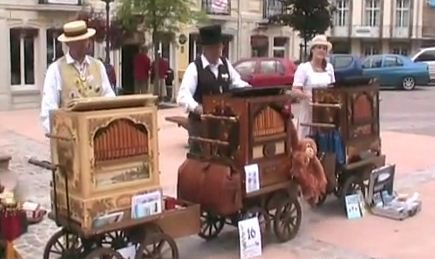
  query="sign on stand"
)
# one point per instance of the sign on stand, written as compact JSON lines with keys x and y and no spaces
{"x":128,"y":252}
{"x":353,"y":206}
{"x":250,"y":238}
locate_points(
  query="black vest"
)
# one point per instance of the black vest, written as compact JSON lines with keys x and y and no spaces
{"x":207,"y":83}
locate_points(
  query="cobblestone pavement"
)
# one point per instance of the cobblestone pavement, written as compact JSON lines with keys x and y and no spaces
{"x":36,"y":188}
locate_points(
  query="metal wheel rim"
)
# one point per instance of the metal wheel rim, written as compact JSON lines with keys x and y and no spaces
{"x":211,"y":226}
{"x":104,"y":253}
{"x":158,"y":246}
{"x":408,"y":83}
{"x":57,"y":246}
{"x":287,"y":220}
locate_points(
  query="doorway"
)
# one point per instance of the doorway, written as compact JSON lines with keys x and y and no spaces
{"x":128,"y":53}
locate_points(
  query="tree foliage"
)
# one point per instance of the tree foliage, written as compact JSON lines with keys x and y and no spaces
{"x":157,"y":17}
{"x":308,"y":17}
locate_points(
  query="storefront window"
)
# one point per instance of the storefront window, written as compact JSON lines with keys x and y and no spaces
{"x":22,"y":56}
{"x":280,"y":47}
{"x":259,"y":46}
{"x":54,"y":47}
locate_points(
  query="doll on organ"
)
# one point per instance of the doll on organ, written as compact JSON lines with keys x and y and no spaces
{"x":308,"y":171}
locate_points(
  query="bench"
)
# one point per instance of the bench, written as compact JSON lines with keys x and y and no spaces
{"x":181,"y":121}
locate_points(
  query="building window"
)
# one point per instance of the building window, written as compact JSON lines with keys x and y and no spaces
{"x":371,"y":50}
{"x":54,"y":47}
{"x":22,"y":56}
{"x":280,"y":47}
{"x":342,"y":13}
{"x":259,"y":46}
{"x":373,"y":11}
{"x":400,"y":50}
{"x":402,"y":13}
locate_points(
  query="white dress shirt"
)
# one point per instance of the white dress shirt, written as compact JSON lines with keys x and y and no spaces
{"x":190,"y":81}
{"x":53,"y":86}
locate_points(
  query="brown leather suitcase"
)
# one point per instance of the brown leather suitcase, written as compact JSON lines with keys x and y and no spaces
{"x":216,"y":187}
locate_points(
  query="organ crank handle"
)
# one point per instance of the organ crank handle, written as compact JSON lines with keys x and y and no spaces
{"x":210,"y":116}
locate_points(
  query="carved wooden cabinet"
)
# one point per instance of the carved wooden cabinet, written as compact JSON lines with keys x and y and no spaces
{"x":107,"y":149}
{"x":262,"y":135}
{"x":357,"y":119}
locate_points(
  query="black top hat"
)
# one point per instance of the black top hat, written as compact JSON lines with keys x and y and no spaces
{"x":210,"y":35}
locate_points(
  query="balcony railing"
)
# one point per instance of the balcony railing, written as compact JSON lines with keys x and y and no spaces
{"x":217,"y":7}
{"x":272,"y":8}
{"x":61,"y":2}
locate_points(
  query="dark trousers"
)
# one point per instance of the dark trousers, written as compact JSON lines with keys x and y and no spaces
{"x":194,"y":131}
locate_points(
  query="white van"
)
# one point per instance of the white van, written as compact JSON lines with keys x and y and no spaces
{"x":426,"y":55}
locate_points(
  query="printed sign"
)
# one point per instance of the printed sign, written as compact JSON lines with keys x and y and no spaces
{"x":252,"y":178}
{"x":353,"y":206}
{"x":250,"y":238}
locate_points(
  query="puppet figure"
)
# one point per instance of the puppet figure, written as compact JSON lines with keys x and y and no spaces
{"x":308,"y":171}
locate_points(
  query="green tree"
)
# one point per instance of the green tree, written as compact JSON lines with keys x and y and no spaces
{"x":308,"y":17}
{"x":159,"y":18}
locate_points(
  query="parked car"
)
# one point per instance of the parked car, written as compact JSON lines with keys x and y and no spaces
{"x":396,"y":71}
{"x":261,"y":72}
{"x":346,"y":66}
{"x":427,"y":56}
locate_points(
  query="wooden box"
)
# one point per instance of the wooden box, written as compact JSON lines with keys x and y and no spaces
{"x":263,"y":132}
{"x":357,"y":119}
{"x":107,"y":148}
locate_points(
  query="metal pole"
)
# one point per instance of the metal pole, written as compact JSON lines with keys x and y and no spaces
{"x":107,"y":31}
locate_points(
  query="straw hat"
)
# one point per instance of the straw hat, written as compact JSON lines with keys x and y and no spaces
{"x":322,"y":41}
{"x":76,"y":31}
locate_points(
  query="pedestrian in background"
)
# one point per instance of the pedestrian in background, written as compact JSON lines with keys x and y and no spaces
{"x":141,"y":71}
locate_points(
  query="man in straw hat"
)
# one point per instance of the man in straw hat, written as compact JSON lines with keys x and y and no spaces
{"x":317,"y":72}
{"x":209,"y":74}
{"x":75,"y":75}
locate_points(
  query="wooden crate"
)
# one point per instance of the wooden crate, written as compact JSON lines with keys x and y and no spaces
{"x":105,"y":146}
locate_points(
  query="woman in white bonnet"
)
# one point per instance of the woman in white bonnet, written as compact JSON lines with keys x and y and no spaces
{"x":316,"y":72}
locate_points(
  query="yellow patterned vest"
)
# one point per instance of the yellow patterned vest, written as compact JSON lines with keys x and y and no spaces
{"x":74,"y":86}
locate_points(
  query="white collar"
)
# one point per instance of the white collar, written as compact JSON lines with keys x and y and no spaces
{"x":70,"y":60}
{"x":205,"y":62}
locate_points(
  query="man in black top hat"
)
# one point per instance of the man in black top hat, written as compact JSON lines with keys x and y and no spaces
{"x":209,"y":74}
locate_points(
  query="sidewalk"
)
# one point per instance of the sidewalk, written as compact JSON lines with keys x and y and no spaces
{"x":325,"y":232}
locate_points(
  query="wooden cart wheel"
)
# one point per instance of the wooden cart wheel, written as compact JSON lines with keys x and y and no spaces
{"x":287,"y":219}
{"x":211,"y":226}
{"x":158,"y":246}
{"x":351,"y":185}
{"x":65,"y":245}
{"x":104,"y":253}
{"x":116,"y":240}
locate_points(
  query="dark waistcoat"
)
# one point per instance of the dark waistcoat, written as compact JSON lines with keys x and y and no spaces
{"x":208,"y":84}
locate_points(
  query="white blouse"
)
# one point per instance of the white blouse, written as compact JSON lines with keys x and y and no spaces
{"x":307,"y":78}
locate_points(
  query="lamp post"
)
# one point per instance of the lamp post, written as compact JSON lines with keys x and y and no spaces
{"x":107,"y":2}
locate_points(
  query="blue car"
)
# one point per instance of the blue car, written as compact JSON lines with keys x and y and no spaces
{"x":346,"y":66}
{"x":396,"y":71}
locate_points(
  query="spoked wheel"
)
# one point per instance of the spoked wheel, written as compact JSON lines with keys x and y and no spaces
{"x":64,"y":245}
{"x":287,"y":219}
{"x":158,"y":246}
{"x":104,"y":253}
{"x":116,"y":240}
{"x":352,"y":185}
{"x":211,"y":225}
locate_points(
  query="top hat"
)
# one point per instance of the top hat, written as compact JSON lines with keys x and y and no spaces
{"x":76,"y":31}
{"x":320,"y":40}
{"x":210,"y":35}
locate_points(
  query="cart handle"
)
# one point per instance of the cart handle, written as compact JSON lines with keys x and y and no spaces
{"x":43,"y":164}
{"x":217,"y":117}
{"x":51,"y":136}
{"x":319,"y":125}
{"x":326,"y":105}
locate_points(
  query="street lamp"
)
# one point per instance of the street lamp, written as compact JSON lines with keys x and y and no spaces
{"x":107,"y":2}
